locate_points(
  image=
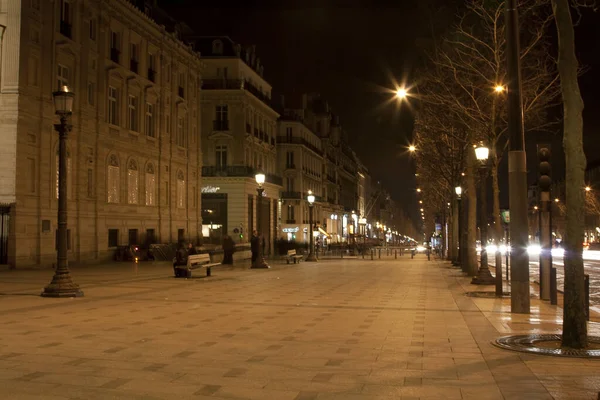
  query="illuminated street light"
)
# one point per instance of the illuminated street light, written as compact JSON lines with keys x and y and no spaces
{"x":419,"y":190}
{"x":587,"y":188}
{"x":499,"y":88}
{"x":556,"y":200}
{"x":412,"y":148}
{"x":401,"y":93}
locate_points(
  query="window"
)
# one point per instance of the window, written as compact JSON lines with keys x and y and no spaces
{"x":93,"y":29}
{"x":181,"y":136}
{"x":133,"y":57}
{"x":221,"y":156}
{"x":150,"y":120}
{"x":150,"y":185}
{"x":133,"y":236}
{"x":91,"y":93}
{"x":133,"y":113}
{"x":115,"y":46}
{"x":180,"y":190}
{"x":217,"y":47}
{"x":290,"y":184}
{"x":150,"y":236}
{"x":289,"y":159}
{"x":291,"y":213}
{"x":288,"y":133}
{"x":113,"y":237}
{"x":221,"y":118}
{"x":65,"y":18}
{"x":181,"y":92}
{"x":113,"y":106}
{"x":113,"y":172}
{"x":69,"y":178}
{"x":62,"y":76}
{"x":151,"y":67}
{"x":132,"y":182}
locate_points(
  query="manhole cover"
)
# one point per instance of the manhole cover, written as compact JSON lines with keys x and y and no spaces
{"x":547,"y":344}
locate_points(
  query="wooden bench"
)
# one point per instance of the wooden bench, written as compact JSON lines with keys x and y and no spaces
{"x":291,"y":255}
{"x":195,"y":261}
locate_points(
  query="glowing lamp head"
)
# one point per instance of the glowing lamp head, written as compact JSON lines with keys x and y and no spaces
{"x":260,"y":178}
{"x":412,"y":148}
{"x":458,"y":191}
{"x":418,"y":190}
{"x":481,"y":152}
{"x":310,"y":198}
{"x":499,"y":88}
{"x":63,"y":101}
{"x":587,"y":188}
{"x":401,"y":93}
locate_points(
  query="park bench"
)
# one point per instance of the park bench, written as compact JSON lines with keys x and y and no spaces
{"x":292,"y":256}
{"x":195,"y":261}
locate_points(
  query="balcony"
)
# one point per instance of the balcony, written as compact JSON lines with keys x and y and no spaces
{"x":291,"y":195}
{"x":241,"y":171}
{"x":290,"y":166}
{"x":133,"y":66}
{"x":219,"y":125}
{"x":235,"y":84}
{"x":115,"y":55}
{"x":331,"y":200}
{"x":66,"y":29}
{"x":300,"y":141}
{"x":180,"y":92}
{"x":151,"y":75}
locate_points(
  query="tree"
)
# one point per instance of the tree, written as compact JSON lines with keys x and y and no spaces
{"x":574,"y":321}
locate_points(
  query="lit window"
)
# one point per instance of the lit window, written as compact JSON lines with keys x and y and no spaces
{"x":150,"y":185}
{"x":132,"y":182}
{"x":62,"y":76}
{"x":113,"y":172}
{"x":221,"y":156}
{"x":180,"y":190}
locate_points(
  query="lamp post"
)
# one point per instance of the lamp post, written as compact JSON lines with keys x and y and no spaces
{"x":259,"y":262}
{"x":458,"y":191}
{"x":62,"y":285}
{"x":311,"y":200}
{"x":484,"y":277}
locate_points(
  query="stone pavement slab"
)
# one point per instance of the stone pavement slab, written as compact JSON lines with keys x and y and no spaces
{"x":337,"y":329}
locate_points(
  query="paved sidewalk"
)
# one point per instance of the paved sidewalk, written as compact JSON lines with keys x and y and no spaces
{"x":339,"y":329}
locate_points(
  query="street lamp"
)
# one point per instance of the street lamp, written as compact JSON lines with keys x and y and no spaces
{"x":418,"y":190}
{"x":499,"y":88}
{"x":587,"y":188}
{"x":311,"y":200}
{"x":259,"y":262}
{"x":412,"y":148}
{"x":484,"y":277}
{"x":401,"y":93}
{"x":62,"y":285}
{"x":458,"y":191}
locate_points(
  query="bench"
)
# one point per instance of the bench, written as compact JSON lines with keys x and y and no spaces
{"x":291,"y":255}
{"x":195,"y":261}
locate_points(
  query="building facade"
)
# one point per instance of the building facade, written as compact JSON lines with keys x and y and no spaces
{"x":300,"y":158}
{"x":134,"y":150}
{"x":239,"y":125}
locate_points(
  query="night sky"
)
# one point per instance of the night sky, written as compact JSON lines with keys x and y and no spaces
{"x":352,"y":52}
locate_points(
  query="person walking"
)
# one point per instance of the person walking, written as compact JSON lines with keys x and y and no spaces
{"x":254,"y":245}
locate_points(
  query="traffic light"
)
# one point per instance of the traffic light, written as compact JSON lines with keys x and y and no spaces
{"x":544,"y":181}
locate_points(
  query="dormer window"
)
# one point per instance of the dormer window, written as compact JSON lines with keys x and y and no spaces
{"x":217,"y":47}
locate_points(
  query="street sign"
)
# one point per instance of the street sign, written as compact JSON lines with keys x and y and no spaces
{"x":505,"y":216}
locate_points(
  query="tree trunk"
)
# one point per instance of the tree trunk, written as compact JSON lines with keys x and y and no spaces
{"x":574,"y":322}
{"x":498,"y":229}
{"x":471,"y":215}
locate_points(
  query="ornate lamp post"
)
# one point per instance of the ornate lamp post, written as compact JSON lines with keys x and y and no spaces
{"x":484,"y":277}
{"x":311,"y":200}
{"x":62,"y":285}
{"x":260,"y":260}
{"x":458,"y":191}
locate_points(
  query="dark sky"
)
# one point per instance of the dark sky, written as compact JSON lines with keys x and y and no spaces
{"x":351,"y":51}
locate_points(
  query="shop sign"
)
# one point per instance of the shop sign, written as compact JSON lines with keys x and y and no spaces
{"x":290,"y":230}
{"x":209,"y":189}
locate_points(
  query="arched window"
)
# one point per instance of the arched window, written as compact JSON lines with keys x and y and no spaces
{"x":217,"y":47}
{"x":69,"y":179}
{"x":132,"y":182}
{"x":180,"y":189}
{"x":150,"y":185}
{"x":113,"y":172}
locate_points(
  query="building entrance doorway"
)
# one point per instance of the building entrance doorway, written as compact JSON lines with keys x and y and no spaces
{"x":4,"y":232}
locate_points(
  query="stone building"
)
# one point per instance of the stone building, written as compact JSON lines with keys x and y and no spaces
{"x":239,"y":125}
{"x":134,"y":151}
{"x":300,"y":158}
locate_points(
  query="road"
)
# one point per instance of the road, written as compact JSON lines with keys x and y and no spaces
{"x":591,"y":267}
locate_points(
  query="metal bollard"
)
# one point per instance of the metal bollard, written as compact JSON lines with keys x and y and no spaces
{"x":396,"y":254}
{"x":379,"y":253}
{"x":586,"y":283}
{"x":363,"y":253}
{"x":371,"y":254}
{"x":553,"y":291}
{"x":342,"y":253}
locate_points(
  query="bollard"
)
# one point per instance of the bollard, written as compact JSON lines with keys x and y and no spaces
{"x":586,"y":283}
{"x":363,"y":253}
{"x":342,"y":253}
{"x":396,"y":254}
{"x":412,"y":254}
{"x":371,"y":254}
{"x":379,"y":253}
{"x":553,"y":293}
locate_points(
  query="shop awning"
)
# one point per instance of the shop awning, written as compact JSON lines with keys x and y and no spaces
{"x":324,"y":233}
